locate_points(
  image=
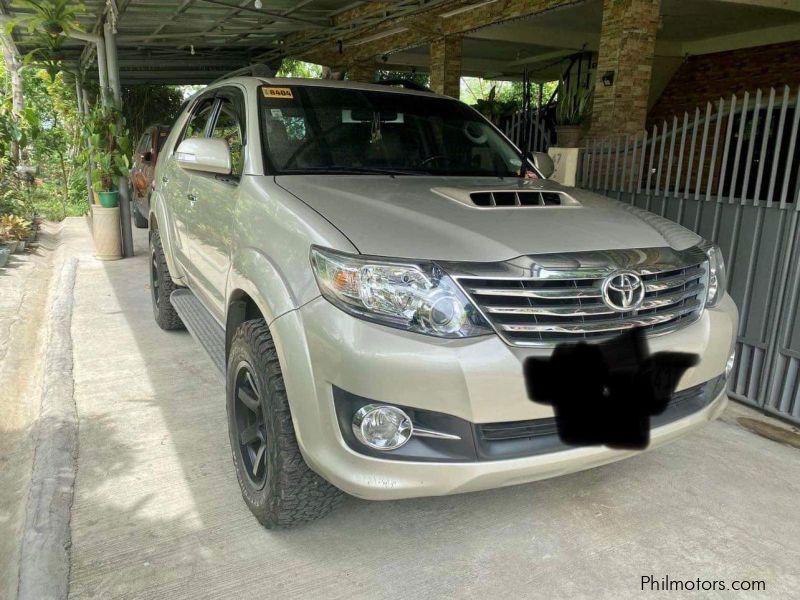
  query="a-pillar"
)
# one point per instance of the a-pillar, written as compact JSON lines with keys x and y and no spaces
{"x":446,"y":53}
{"x":625,"y":61}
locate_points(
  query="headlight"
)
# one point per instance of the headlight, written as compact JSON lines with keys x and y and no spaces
{"x":415,"y":296}
{"x":716,"y":274}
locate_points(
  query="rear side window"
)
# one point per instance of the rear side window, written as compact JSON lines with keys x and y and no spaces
{"x":144,"y":144}
{"x":162,"y":137}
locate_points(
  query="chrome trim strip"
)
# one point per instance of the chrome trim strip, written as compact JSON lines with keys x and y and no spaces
{"x":543,"y":294}
{"x":578,"y":265}
{"x":604,"y":325}
{"x":666,"y":283}
{"x":432,"y":433}
{"x":602,"y":309}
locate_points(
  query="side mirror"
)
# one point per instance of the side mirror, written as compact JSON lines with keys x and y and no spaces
{"x":543,"y":163}
{"x":147,"y":156}
{"x":208,"y":155}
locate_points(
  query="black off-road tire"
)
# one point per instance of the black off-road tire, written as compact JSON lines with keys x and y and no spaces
{"x":285,"y":492}
{"x":161,"y":286}
{"x":139,"y":220}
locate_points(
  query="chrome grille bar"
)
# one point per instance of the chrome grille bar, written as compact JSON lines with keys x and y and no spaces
{"x":605,"y":325}
{"x":600,"y":309}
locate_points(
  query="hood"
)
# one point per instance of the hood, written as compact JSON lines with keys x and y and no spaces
{"x":427,"y":218}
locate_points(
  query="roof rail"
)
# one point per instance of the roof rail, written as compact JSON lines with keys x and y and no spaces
{"x":406,"y":83}
{"x":254,"y":70}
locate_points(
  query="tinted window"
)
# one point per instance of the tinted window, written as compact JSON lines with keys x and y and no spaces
{"x":162,"y":136}
{"x":312,"y":129}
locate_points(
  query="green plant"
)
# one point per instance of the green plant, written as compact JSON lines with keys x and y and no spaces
{"x":492,"y":107}
{"x":47,"y":53}
{"x":14,"y":227}
{"x":54,"y":17}
{"x":574,"y":105}
{"x":109,"y":146}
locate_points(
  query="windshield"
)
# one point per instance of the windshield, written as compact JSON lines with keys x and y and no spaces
{"x":310,"y":129}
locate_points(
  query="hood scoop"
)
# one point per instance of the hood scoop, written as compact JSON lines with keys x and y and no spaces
{"x":508,"y":198}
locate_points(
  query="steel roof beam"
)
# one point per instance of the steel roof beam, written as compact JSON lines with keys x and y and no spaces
{"x":270,"y":14}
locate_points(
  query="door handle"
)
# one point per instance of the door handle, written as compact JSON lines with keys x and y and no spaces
{"x":192,"y":198}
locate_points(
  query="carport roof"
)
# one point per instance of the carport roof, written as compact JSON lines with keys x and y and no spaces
{"x":197,"y":41}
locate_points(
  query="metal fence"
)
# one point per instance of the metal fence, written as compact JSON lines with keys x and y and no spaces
{"x":531,"y":130}
{"x":731,"y":173}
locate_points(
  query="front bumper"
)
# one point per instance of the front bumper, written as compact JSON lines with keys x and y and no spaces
{"x":478,"y":380}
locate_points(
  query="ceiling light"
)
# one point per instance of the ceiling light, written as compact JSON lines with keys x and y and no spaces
{"x":258,"y":4}
{"x":463,"y":9}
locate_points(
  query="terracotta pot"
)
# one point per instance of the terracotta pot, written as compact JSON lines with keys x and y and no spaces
{"x":569,"y":136}
{"x":106,"y":232}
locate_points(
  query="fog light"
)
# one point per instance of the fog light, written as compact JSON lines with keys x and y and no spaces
{"x":382,"y":427}
{"x":729,"y":364}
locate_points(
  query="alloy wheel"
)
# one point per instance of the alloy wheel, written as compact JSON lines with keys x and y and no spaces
{"x":251,"y":429}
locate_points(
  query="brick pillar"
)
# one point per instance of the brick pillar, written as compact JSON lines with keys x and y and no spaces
{"x":627,"y":46}
{"x":446,"y":65}
{"x":363,"y":72}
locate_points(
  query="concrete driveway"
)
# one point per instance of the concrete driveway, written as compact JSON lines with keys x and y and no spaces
{"x":157,"y":511}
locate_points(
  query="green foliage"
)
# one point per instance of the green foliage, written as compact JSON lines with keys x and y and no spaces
{"x":109,"y":146}
{"x":297,"y":68}
{"x":574,"y":104}
{"x":52,"y":17}
{"x":145,"y":105}
{"x":47,"y":54}
{"x":418,"y":78}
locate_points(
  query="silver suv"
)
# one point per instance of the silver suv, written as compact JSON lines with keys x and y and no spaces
{"x":370,"y":268}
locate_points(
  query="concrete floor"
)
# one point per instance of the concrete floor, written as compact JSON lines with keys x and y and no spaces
{"x":24,"y":285}
{"x":158,"y":514}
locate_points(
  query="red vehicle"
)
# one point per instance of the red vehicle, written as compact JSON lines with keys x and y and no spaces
{"x":144,"y":164}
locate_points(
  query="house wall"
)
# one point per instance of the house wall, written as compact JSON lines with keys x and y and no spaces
{"x":708,"y":77}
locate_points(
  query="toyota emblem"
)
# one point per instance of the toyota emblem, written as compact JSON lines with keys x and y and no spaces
{"x":623,"y":291}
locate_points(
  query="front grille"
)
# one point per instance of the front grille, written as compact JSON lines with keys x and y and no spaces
{"x":549,"y":310}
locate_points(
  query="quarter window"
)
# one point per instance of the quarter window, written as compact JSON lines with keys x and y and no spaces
{"x":228,"y":127}
{"x":197,"y":124}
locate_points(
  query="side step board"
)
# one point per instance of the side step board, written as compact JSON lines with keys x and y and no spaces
{"x":203,"y":327}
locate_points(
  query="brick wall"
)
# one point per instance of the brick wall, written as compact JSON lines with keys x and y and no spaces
{"x":627,"y":46}
{"x":446,"y":55}
{"x":710,"y":76}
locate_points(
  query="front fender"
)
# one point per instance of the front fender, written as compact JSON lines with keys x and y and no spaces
{"x":253,"y":273}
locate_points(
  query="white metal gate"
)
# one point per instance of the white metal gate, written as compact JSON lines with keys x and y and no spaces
{"x":731,"y":173}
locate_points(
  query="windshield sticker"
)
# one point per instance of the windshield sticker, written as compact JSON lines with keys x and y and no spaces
{"x":278,"y":92}
{"x":276,"y":113}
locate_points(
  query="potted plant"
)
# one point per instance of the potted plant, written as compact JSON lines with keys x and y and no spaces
{"x":9,"y":240}
{"x":4,"y":249}
{"x":54,"y":17}
{"x":572,"y":110}
{"x":16,"y":231}
{"x":109,"y":149}
{"x":20,"y":229}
